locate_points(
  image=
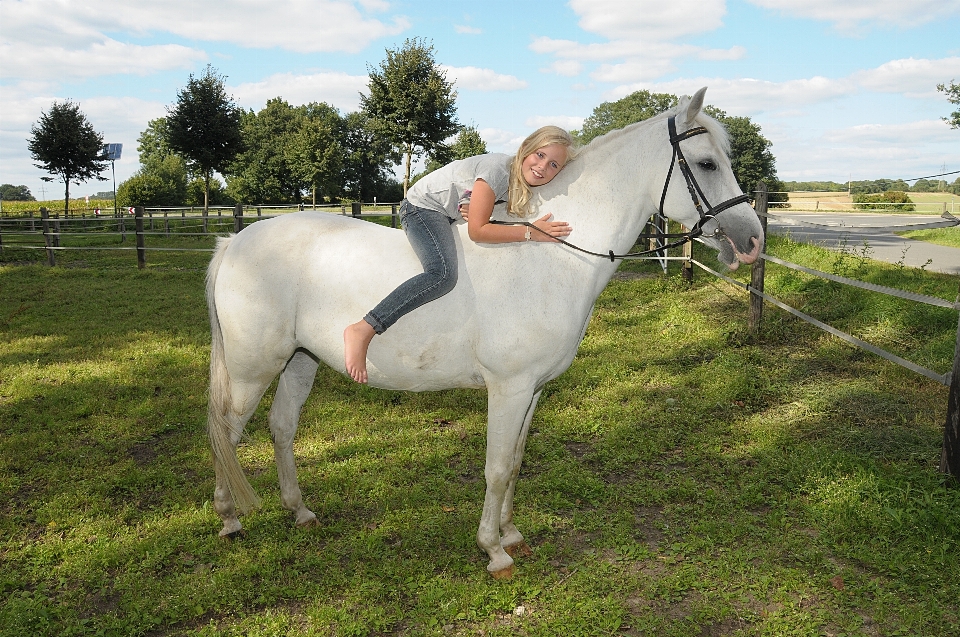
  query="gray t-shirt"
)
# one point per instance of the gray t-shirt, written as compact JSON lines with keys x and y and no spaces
{"x":443,"y":189}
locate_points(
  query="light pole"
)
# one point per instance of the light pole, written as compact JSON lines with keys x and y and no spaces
{"x":112,"y":152}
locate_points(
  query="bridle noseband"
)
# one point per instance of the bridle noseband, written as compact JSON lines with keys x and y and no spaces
{"x":696,"y":194}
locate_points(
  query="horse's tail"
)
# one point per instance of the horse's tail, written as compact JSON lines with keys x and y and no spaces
{"x":221,"y":416}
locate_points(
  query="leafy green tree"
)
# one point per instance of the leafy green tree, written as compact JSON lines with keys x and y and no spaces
{"x":204,"y":127}
{"x":952,"y":91}
{"x":9,"y":192}
{"x":153,"y":143}
{"x":161,"y":182}
{"x":367,"y":158}
{"x":64,"y":143}
{"x":635,"y":107}
{"x":316,"y":150}
{"x":266,"y":171}
{"x":411,"y":102}
{"x":217,"y":193}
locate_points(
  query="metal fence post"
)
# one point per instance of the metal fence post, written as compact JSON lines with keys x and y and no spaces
{"x":47,"y":239}
{"x":950,"y":455}
{"x":238,"y":217}
{"x":757,"y":270}
{"x":687,"y":263}
{"x":141,"y":252}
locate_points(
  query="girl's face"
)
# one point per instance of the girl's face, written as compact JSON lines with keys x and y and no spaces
{"x":543,"y":164}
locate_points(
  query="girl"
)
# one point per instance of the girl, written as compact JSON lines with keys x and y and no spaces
{"x":465,"y":189}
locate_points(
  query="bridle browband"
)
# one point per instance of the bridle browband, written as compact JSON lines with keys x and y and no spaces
{"x":696,"y":194}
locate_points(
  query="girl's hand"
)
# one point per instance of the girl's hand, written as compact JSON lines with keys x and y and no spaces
{"x":553,"y":229}
{"x":465,"y":211}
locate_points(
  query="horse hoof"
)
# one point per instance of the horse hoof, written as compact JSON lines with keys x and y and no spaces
{"x":521,"y":549}
{"x":232,"y":535}
{"x":504,"y":573}
{"x":308,"y":523}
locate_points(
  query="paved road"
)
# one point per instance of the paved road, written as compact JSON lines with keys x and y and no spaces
{"x":883,"y":245}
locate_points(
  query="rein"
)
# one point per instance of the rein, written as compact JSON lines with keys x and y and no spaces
{"x":692,"y":187}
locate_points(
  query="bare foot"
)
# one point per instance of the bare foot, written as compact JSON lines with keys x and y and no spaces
{"x":356,"y":340}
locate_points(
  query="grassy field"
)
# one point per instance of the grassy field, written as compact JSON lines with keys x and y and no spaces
{"x":681,"y":479}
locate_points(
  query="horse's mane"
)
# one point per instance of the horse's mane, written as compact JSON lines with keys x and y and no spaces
{"x":714,"y":128}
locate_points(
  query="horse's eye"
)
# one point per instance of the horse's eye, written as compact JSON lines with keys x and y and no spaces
{"x":707,"y":165}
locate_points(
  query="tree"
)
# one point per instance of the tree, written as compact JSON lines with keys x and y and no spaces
{"x":265,"y":171}
{"x":410,"y":101}
{"x":9,"y":192}
{"x":367,"y":156}
{"x":953,"y":96}
{"x":161,"y":182}
{"x":204,"y":127}
{"x":316,"y":150}
{"x":635,"y":107}
{"x":65,"y":144}
{"x":154,"y":143}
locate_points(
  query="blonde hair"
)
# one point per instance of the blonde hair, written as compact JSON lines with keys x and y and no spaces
{"x":519,"y":193}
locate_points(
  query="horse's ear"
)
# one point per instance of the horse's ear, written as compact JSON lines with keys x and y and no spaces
{"x":696,"y":103}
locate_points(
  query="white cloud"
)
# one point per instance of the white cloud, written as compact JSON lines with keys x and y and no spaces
{"x":565,"y":122}
{"x":477,"y":79}
{"x":566,"y":68}
{"x":889,"y":135}
{"x":460,"y":28}
{"x":909,"y":76}
{"x":55,"y":38}
{"x":620,"y":20}
{"x":51,"y":61}
{"x":747,"y":96}
{"x":849,"y":15}
{"x":337,"y":89}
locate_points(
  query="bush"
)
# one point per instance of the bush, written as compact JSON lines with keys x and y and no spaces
{"x":890,"y":200}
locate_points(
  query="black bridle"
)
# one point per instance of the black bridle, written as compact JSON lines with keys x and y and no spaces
{"x":696,"y":194}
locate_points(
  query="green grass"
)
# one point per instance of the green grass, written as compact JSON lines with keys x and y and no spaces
{"x":940,"y":236}
{"x":682,"y":477}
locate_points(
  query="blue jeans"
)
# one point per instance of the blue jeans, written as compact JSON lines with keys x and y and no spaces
{"x":431,"y":235}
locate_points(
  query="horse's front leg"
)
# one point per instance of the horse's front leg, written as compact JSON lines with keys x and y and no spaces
{"x":292,"y":391}
{"x":510,"y":538}
{"x":507,"y":412}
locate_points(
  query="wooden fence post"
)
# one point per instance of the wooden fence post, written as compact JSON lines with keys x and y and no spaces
{"x":757,"y":271}
{"x":141,"y":252}
{"x":950,"y":455}
{"x":238,"y":217}
{"x":47,"y":239}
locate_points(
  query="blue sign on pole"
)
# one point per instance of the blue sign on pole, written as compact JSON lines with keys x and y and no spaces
{"x":112,"y":151}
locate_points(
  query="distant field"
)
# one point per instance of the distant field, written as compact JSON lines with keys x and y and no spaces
{"x":926,"y":202}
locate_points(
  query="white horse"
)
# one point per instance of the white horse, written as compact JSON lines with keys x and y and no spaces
{"x":280,"y":293}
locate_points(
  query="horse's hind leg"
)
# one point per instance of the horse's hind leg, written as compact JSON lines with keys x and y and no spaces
{"x":510,"y":538}
{"x":292,"y":391}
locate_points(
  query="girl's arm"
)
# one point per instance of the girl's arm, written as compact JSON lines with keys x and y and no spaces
{"x":482,"y":231}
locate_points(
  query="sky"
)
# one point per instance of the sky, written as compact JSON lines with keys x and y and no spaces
{"x":844,"y":90}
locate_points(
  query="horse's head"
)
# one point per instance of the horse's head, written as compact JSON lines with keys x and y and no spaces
{"x":700,"y":190}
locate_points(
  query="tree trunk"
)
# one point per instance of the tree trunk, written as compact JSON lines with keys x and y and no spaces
{"x":406,"y":176}
{"x":206,"y":193}
{"x":66,"y":197}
